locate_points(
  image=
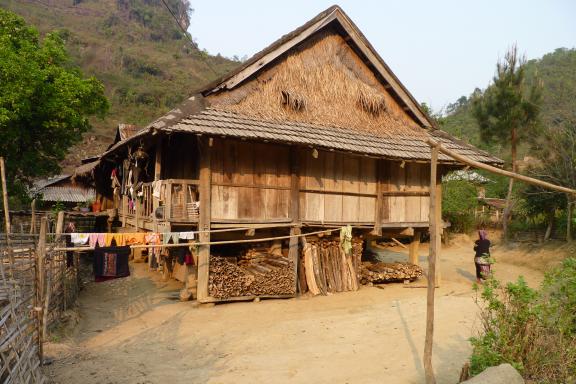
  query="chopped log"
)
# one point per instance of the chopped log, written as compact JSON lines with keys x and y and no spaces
{"x":388,"y":272}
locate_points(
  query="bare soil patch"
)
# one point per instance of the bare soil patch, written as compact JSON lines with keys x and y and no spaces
{"x":135,"y":330}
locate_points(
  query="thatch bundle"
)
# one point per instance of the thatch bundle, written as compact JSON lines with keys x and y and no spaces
{"x":326,"y":83}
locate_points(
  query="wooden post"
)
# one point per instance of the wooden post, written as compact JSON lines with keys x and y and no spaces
{"x":434,"y":231}
{"x":414,"y":247}
{"x":157,"y":176}
{"x":137,"y":208}
{"x":204,"y":218}
{"x":5,"y":199}
{"x":440,"y":228}
{"x":377,"y":231}
{"x":33,"y":218}
{"x":59,"y":224}
{"x":40,"y":257}
{"x":569,"y":218}
{"x":124,"y":201}
{"x":293,"y":253}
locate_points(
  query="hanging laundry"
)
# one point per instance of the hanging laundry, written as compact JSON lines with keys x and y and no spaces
{"x":346,"y":239}
{"x":134,"y":238}
{"x":111,"y":263}
{"x":79,"y":238}
{"x":156,"y":186}
{"x":114,"y":239}
{"x":97,"y":239}
{"x":187,"y":235}
{"x":174,"y":236}
{"x":153,"y":238}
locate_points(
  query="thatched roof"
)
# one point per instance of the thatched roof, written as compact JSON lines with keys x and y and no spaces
{"x":333,"y":17}
{"x":405,"y":140}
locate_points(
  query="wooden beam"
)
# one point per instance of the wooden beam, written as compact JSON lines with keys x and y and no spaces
{"x":405,"y":193}
{"x":498,"y":171}
{"x":428,"y":368}
{"x":204,"y":220}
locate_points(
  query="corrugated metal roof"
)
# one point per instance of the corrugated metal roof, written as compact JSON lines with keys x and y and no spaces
{"x":67,"y":194}
{"x":229,"y":124}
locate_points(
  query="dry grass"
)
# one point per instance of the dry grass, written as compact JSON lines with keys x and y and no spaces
{"x":322,"y":83}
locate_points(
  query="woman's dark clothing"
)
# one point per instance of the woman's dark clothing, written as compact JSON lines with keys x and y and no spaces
{"x":482,"y":247}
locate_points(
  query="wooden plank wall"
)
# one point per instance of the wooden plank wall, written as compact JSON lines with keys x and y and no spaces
{"x":337,"y":188}
{"x":412,"y":177}
{"x":250,"y":181}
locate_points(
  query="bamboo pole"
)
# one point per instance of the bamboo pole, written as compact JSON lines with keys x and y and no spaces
{"x":5,"y":198}
{"x":6,"y":213}
{"x":428,"y":368}
{"x":517,"y":176}
{"x":40,"y":257}
{"x":326,"y":231}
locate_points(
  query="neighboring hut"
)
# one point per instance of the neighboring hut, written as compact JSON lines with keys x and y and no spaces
{"x":61,"y":190}
{"x":314,"y":131}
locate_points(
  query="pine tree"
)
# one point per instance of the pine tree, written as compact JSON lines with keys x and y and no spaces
{"x":508,"y":113}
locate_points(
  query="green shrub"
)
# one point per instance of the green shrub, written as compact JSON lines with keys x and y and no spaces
{"x":533,"y":330}
{"x":459,"y":201}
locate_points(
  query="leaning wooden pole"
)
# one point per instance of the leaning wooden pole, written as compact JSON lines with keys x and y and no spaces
{"x":434,"y":245}
{"x":498,"y":171}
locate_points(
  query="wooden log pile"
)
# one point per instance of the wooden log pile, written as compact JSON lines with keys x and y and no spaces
{"x":388,"y":272}
{"x":328,"y":269}
{"x":257,"y":273}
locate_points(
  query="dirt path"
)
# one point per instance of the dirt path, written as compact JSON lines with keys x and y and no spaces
{"x":134,"y":331}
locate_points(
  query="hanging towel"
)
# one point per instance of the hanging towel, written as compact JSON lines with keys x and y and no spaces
{"x":79,"y":238}
{"x":97,"y":239}
{"x":117,"y":238}
{"x":346,"y":239}
{"x":156,"y":188}
{"x":167,"y":236}
{"x":187,"y":235}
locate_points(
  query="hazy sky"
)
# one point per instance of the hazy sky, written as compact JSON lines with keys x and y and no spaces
{"x":440,"y":50}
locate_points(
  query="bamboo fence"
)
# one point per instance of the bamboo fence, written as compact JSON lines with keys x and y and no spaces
{"x":36,"y":287}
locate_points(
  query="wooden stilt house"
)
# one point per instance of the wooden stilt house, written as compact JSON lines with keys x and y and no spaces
{"x":313,"y":131}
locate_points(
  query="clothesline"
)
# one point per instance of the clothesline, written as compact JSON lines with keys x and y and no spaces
{"x":238,"y":229}
{"x":205,"y":243}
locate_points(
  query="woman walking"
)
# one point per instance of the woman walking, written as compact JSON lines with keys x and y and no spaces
{"x":482,"y":249}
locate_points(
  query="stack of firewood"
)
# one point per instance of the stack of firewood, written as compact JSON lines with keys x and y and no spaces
{"x":327,"y":268}
{"x":388,"y":272}
{"x":257,"y":273}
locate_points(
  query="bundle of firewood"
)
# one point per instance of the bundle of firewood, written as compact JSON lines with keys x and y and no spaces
{"x":388,"y":272}
{"x":327,"y":268}
{"x":257,"y":273}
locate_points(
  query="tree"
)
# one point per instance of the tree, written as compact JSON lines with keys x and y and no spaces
{"x":557,"y":152}
{"x":507,"y":112}
{"x":44,"y":102}
{"x":459,"y":200}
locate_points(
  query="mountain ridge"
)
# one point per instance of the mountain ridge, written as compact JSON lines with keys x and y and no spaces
{"x":136,"y":48}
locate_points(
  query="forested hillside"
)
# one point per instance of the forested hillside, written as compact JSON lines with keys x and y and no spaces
{"x":556,"y":71}
{"x":135,"y":47}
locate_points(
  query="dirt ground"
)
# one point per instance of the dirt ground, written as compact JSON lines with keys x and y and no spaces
{"x":135,"y":330}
